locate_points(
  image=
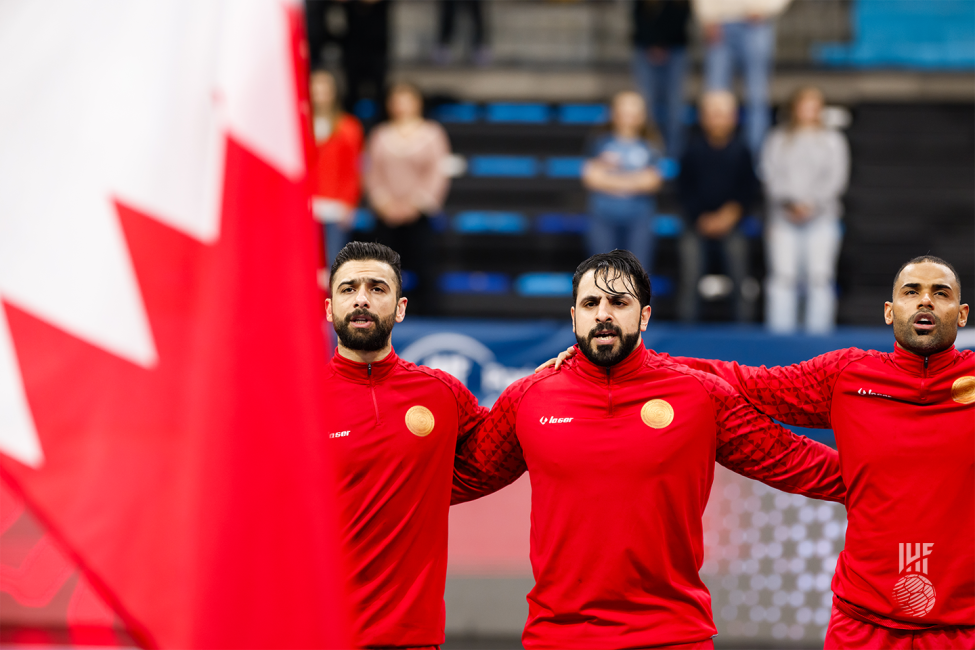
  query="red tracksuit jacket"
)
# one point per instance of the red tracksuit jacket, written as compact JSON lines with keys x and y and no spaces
{"x":392,"y":430}
{"x":621,"y":463}
{"x":905,"y":430}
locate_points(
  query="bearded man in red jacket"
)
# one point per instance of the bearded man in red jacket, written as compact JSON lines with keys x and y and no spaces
{"x":393,"y":428}
{"x":905,"y":429}
{"x":620,"y":446}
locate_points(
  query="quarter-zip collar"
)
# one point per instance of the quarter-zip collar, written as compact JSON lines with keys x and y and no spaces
{"x":365,"y":373}
{"x":922,"y":366}
{"x":629,"y":366}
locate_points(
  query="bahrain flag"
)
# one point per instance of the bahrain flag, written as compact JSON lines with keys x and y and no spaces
{"x":161,"y":348}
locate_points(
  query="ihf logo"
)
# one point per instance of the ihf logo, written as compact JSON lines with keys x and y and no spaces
{"x":914,"y":592}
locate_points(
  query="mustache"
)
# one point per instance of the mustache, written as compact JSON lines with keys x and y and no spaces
{"x":604,"y":328}
{"x":360,"y":312}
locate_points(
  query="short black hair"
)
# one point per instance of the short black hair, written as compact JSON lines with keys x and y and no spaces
{"x":356,"y":251}
{"x":624,"y":266}
{"x":933,"y":259}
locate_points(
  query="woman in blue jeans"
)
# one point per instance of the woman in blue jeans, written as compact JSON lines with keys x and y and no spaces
{"x":622,"y":178}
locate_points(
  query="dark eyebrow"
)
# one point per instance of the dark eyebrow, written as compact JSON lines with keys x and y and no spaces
{"x":917,"y":285}
{"x":354,"y":281}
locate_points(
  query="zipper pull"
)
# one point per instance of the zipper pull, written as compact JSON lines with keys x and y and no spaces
{"x":926,"y":363}
{"x":369,"y":368}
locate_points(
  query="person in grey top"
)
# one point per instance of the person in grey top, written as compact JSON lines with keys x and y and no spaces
{"x":805,"y":166}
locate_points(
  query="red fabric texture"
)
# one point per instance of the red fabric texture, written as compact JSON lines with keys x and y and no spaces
{"x":905,"y":430}
{"x":619,"y":488}
{"x":335,"y":174}
{"x":394,"y":491}
{"x":848,"y":633}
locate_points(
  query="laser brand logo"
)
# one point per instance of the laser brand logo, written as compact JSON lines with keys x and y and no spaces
{"x":869,"y":393}
{"x":340,"y":434}
{"x":551,"y":420}
{"x":913,"y":591}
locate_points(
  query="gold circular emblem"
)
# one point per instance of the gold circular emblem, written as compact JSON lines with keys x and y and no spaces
{"x":657,"y":413}
{"x":963,"y":390}
{"x":419,"y":420}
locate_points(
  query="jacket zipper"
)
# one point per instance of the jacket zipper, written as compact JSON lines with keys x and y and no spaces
{"x":372,"y":389}
{"x":609,"y":386}
{"x":924,"y":377}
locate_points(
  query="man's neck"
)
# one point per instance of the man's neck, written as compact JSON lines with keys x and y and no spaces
{"x":718,"y":142}
{"x":362,"y":356}
{"x":920,"y":354}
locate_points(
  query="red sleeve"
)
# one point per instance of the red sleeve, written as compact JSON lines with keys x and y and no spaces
{"x":800,"y":394}
{"x":751,"y":444}
{"x":469,"y":413}
{"x":490,"y":457}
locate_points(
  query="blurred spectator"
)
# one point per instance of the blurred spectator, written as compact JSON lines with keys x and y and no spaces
{"x":406,"y":184}
{"x":660,"y":63}
{"x":319,"y":15}
{"x":448,"y":15}
{"x":741,"y":33}
{"x":335,"y":177}
{"x":621,"y":177}
{"x":716,"y":186}
{"x":365,"y":55}
{"x":805,"y":166}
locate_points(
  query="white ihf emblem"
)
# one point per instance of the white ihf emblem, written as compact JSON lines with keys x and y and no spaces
{"x":914,"y":592}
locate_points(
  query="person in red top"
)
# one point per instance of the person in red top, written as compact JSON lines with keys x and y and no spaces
{"x":335,"y":184}
{"x":905,"y":429}
{"x":392,"y":428}
{"x":620,"y":446}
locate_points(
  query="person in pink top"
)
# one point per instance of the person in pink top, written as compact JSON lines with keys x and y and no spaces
{"x":406,"y":184}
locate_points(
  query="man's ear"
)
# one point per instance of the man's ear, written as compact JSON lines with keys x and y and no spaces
{"x":963,"y":316}
{"x":644,"y":318}
{"x":401,"y":310}
{"x":889,"y":313}
{"x":328,"y":310}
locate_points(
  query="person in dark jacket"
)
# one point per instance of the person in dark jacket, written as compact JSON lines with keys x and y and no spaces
{"x":716,"y":186}
{"x":660,"y":63}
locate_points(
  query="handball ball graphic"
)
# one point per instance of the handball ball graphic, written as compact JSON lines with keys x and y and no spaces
{"x":915,"y":594}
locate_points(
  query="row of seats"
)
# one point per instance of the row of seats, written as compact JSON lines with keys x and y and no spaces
{"x":489,"y":222}
{"x":526,"y":284}
{"x":491,"y":166}
{"x":931,"y":34}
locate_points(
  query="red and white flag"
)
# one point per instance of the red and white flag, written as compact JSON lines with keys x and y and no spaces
{"x":161,"y":347}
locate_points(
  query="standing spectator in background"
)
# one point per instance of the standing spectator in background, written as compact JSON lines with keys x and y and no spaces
{"x":335,"y":177}
{"x":805,"y":166}
{"x":741,"y":33}
{"x":406,"y":184}
{"x":660,"y":63}
{"x":365,"y":52}
{"x":621,"y":177}
{"x":716,"y":186}
{"x":447,"y":18}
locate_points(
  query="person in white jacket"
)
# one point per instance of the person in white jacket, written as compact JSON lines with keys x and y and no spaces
{"x":741,"y":34}
{"x":805,"y":166}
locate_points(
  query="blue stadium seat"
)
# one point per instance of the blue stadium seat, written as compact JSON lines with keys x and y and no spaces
{"x":583,"y":113}
{"x":544,"y":284}
{"x":667,"y":226}
{"x":751,"y":226}
{"x":529,"y":113}
{"x":669,"y":168}
{"x":507,"y":166}
{"x":556,"y":223}
{"x":564,"y":166}
{"x":364,"y":219}
{"x":477,"y":221}
{"x":460,"y":113}
{"x":409,"y":280}
{"x":365,"y":109}
{"x":662,"y":286}
{"x":475,"y":282}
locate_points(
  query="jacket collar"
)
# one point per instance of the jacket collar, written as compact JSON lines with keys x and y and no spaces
{"x":625,"y":368}
{"x":363,"y":373}
{"x":915,"y":364}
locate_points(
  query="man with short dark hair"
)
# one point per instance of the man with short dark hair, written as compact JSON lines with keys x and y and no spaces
{"x":905,"y":429}
{"x":620,"y":446}
{"x":392,"y":428}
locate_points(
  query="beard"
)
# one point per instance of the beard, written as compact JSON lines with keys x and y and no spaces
{"x":924,"y":343}
{"x":370,"y":340}
{"x":607,"y":355}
